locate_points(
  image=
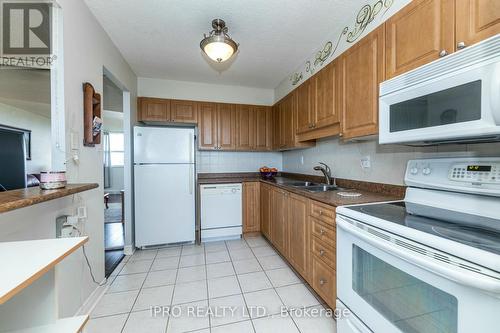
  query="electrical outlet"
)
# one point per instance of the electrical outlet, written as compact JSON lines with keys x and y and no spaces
{"x":82,"y":212}
{"x":366,"y":162}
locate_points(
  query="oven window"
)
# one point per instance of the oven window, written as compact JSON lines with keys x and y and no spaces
{"x":410,"y":304}
{"x":455,"y":105}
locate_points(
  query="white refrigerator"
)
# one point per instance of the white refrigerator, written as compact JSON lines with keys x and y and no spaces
{"x":164,"y":183}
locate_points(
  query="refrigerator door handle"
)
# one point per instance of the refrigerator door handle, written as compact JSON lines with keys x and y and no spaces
{"x":191,"y":148}
{"x":191,"y":179}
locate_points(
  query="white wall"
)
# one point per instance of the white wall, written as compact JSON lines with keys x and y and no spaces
{"x":87,"y":48}
{"x":204,"y":92}
{"x":388,"y":162}
{"x":40,"y":135}
{"x":339,"y":40}
{"x":219,"y":161}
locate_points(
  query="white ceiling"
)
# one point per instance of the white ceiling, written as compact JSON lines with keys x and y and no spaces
{"x":160,"y":38}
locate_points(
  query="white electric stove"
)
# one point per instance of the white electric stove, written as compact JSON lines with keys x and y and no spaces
{"x":430,"y":263}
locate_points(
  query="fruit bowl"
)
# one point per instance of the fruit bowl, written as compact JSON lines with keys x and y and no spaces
{"x":268,"y":173}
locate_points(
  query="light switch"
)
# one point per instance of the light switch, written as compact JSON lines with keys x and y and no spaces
{"x":75,"y":143}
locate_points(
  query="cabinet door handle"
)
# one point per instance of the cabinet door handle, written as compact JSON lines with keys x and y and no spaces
{"x":443,"y":53}
{"x":320,"y":212}
{"x":322,"y":232}
{"x":322,"y":281}
{"x":321,"y":253}
{"x":461,"y":45}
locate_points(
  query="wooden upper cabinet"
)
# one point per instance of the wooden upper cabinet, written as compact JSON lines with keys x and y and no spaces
{"x":476,"y":20}
{"x":183,"y":111}
{"x":153,"y":109}
{"x":245,"y":127}
{"x":362,"y":71}
{"x":298,"y":233}
{"x":251,"y":207}
{"x":226,"y":126}
{"x":305,"y":106}
{"x":276,"y":126}
{"x":207,"y":126}
{"x":421,"y":32}
{"x":287,"y":128}
{"x":263,"y":131}
{"x":327,"y":96}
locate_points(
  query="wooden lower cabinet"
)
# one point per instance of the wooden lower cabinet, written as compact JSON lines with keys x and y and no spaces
{"x":279,"y":215}
{"x":251,"y":207}
{"x":298,"y":233}
{"x":324,"y":281}
{"x":265,"y":210}
{"x":289,"y":222}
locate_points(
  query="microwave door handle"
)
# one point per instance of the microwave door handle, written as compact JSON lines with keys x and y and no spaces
{"x":495,"y":94}
{"x":471,"y":279}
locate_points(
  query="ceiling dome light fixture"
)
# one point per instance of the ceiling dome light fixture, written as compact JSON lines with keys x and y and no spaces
{"x":218,"y":46}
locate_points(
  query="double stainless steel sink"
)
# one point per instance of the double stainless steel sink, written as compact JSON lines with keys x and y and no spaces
{"x":311,"y":187}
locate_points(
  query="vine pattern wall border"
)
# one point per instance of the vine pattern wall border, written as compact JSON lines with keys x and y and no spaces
{"x":365,"y":16}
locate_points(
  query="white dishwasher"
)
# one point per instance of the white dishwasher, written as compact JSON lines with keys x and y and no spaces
{"x":221,"y":211}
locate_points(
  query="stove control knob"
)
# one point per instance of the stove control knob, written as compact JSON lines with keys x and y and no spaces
{"x":414,"y":170}
{"x":426,"y":171}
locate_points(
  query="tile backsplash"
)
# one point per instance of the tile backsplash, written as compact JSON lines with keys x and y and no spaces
{"x":388,"y":162}
{"x":220,"y":161}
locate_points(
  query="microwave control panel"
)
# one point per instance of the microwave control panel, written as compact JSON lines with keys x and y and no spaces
{"x":476,"y":173}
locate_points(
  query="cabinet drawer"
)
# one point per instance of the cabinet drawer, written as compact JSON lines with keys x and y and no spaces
{"x":323,"y":252}
{"x":323,"y":232}
{"x":324,"y":281}
{"x":323,"y":212}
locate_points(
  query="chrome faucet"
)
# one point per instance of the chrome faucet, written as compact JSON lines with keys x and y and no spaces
{"x":327,"y":172}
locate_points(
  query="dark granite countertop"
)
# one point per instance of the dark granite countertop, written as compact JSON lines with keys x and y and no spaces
{"x":370,"y":192}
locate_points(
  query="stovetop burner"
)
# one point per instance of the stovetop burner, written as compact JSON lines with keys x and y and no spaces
{"x":473,"y":235}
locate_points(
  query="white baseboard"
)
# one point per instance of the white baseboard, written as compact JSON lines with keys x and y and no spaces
{"x":94,"y":298}
{"x":129,"y":250}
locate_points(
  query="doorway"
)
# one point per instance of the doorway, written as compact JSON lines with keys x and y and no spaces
{"x":114,"y":187}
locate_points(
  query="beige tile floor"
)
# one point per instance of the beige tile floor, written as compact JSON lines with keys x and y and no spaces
{"x":246,"y":278}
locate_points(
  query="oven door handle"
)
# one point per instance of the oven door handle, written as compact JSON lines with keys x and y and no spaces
{"x":466,"y":278}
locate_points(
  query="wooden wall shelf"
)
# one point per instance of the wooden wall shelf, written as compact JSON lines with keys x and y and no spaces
{"x":91,"y":110}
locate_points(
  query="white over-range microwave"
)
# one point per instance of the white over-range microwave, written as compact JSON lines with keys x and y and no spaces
{"x":451,"y":100}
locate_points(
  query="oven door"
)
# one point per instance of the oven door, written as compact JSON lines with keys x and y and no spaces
{"x":454,"y":107}
{"x":392,"y":290}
